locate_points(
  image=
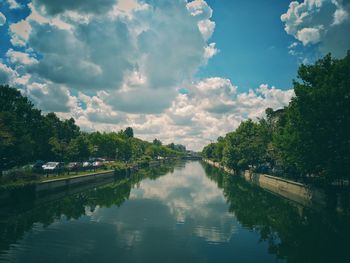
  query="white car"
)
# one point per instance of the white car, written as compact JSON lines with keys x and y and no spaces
{"x":52,"y":166}
{"x":97,"y":164}
{"x":87,"y":165}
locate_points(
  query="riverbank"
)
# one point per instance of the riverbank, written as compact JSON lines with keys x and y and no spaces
{"x":161,"y":207}
{"x":300,"y":193}
{"x":55,"y":189}
{"x":53,"y":181}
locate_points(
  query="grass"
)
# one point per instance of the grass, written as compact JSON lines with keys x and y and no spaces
{"x":40,"y":178}
{"x":27,"y":177}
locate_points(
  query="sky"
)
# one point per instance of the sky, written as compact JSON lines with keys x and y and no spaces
{"x":180,"y":71}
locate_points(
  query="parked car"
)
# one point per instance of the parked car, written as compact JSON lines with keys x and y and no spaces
{"x":97,"y":164}
{"x":74,"y":167}
{"x":87,"y":165}
{"x":38,"y":166}
{"x":52,"y":167}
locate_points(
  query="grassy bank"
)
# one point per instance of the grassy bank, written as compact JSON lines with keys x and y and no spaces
{"x":25,"y":177}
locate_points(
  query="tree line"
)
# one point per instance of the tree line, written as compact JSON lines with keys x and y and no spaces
{"x":27,"y":135}
{"x":308,"y":138}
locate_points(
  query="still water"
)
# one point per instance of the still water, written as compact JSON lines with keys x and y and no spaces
{"x":187,"y":212}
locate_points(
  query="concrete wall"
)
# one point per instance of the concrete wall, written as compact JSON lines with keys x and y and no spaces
{"x":53,"y":184}
{"x":60,"y":183}
{"x":291,"y":190}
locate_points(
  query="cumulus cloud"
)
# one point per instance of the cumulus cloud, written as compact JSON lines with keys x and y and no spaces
{"x":309,"y":35}
{"x":47,"y":96}
{"x":202,"y":12}
{"x":51,"y":97}
{"x":322,"y":22}
{"x":193,"y":205}
{"x":13,"y":4}
{"x":52,"y":7}
{"x":2,"y":19}
{"x":200,"y":9}
{"x":210,"y":51}
{"x":210,"y":107}
{"x":17,"y":57}
{"x":6,"y":74}
{"x":165,"y":42}
{"x":133,"y":65}
{"x":96,"y":110}
{"x":88,"y":58}
{"x":20,"y":32}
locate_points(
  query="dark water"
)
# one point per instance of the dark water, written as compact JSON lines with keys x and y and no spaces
{"x":185,"y":213}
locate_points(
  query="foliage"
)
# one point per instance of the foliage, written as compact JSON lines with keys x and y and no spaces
{"x":311,"y":136}
{"x":27,"y":135}
{"x":157,"y":142}
{"x":129,"y":132}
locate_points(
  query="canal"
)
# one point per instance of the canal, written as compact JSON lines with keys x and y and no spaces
{"x":185,"y":212}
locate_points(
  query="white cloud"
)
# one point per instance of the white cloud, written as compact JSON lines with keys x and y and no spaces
{"x":322,"y":22}
{"x":126,"y":67}
{"x":340,"y":15}
{"x":128,"y":7}
{"x":199,"y":9}
{"x":309,"y":35}
{"x":7,"y":74}
{"x":192,"y":205}
{"x":206,"y":27}
{"x":20,"y":32}
{"x":100,"y":52}
{"x":13,"y":4}
{"x":17,"y":57}
{"x":210,"y":51}
{"x":47,"y":96}
{"x":96,"y":110}
{"x":2,"y":19}
{"x":202,"y":12}
{"x":82,"y":6}
{"x":212,"y":107}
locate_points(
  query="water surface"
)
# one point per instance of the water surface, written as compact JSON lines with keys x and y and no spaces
{"x":186,"y":213}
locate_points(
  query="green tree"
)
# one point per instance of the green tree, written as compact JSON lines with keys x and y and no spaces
{"x":79,"y":148}
{"x":157,"y":142}
{"x":316,"y":133}
{"x":20,"y":128}
{"x":129,"y":132}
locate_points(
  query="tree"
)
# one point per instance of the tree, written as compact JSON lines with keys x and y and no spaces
{"x":20,"y":127}
{"x":26,"y":135}
{"x":309,"y":136}
{"x":157,"y":142}
{"x":316,"y":134}
{"x":129,"y":133}
{"x":153,"y":151}
{"x":59,"y":149}
{"x":79,"y":148}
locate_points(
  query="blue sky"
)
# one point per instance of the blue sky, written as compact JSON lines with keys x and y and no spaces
{"x":253,"y":44}
{"x":180,"y":71}
{"x":12,"y":16}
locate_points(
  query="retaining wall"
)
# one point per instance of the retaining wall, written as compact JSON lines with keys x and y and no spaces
{"x":64,"y":182}
{"x":53,"y":184}
{"x":297,"y":192}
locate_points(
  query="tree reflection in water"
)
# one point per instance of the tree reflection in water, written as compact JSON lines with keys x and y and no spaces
{"x":293,"y":232}
{"x":22,"y":212}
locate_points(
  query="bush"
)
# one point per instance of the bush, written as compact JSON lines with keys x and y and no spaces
{"x":24,"y":174}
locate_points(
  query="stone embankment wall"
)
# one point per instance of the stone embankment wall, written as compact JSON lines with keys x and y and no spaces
{"x":291,"y":190}
{"x":64,"y":182}
{"x":53,"y":184}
